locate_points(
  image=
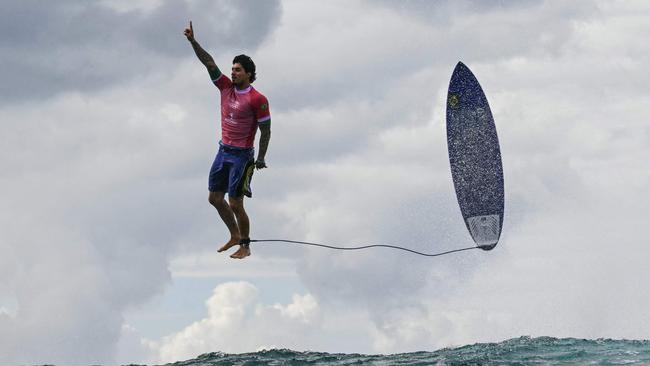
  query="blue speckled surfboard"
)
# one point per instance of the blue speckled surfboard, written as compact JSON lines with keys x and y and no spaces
{"x":475,"y":158}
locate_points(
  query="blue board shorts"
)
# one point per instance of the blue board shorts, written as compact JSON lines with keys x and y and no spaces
{"x":232,"y":171}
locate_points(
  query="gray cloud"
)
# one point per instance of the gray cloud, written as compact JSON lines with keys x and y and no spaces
{"x":53,"y":47}
{"x":393,"y":72}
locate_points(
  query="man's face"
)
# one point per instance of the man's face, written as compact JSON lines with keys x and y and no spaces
{"x":238,"y":74}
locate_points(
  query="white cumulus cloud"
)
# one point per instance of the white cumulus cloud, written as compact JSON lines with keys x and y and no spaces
{"x":236,"y":321}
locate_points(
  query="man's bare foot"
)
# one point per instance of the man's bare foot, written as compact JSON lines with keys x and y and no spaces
{"x":243,"y":252}
{"x":231,"y":243}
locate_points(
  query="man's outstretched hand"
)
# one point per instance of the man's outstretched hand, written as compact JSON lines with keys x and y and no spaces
{"x":189,"y":33}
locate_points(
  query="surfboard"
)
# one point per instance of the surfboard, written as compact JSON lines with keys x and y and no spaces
{"x":475,"y":158}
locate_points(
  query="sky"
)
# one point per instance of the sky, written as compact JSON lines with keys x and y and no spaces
{"x":110,"y":125}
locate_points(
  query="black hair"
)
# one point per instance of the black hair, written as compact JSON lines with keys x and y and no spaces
{"x":247,"y":63}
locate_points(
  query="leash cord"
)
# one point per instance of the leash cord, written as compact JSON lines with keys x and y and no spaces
{"x":362,"y":247}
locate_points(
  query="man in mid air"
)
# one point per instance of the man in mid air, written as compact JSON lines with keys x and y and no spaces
{"x":243,"y":111}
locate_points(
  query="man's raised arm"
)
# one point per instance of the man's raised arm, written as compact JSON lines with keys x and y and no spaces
{"x":202,"y":54}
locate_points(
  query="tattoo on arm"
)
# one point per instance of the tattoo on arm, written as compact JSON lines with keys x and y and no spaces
{"x":265,"y":137}
{"x":206,"y":59}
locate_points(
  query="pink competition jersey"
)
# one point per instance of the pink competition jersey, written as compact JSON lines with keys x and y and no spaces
{"x":241,"y":112}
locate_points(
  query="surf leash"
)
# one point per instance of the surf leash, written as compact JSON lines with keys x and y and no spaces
{"x":361,"y":247}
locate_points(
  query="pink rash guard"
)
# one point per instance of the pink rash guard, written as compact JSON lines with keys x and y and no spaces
{"x":241,"y":112}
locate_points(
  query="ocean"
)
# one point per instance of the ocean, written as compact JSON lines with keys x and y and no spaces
{"x":517,"y":351}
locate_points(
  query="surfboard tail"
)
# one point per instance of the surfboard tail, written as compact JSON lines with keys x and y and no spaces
{"x":485,"y":229}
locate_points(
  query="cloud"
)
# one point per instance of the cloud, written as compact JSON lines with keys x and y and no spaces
{"x":55,"y":47}
{"x":237,"y":322}
{"x":81,"y":235}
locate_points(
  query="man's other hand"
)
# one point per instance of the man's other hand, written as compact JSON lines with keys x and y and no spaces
{"x":260,"y":164}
